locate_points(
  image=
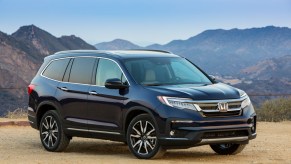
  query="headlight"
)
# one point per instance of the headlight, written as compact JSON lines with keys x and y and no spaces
{"x":181,"y":103}
{"x":246,"y":101}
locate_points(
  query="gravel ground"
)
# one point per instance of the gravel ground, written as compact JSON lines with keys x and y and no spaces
{"x":21,"y":144}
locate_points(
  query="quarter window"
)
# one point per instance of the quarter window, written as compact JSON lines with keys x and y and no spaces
{"x":108,"y":69}
{"x":56,"y":69}
{"x":81,"y":71}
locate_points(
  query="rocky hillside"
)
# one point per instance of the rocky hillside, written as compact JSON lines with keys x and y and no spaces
{"x":45,"y":43}
{"x":21,"y":54}
{"x":239,"y":48}
{"x":274,"y":68}
{"x":267,"y":77}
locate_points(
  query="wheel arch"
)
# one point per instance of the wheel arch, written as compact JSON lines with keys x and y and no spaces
{"x":135,"y":111}
{"x":43,"y":107}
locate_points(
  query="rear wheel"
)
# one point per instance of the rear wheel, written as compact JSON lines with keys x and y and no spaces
{"x":228,"y":149}
{"x":142,"y":138}
{"x":51,"y":132}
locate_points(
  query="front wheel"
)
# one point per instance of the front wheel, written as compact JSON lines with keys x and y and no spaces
{"x":228,"y":149}
{"x":142,"y":138}
{"x":51,"y":132}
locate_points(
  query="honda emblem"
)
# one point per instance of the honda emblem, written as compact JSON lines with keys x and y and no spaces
{"x":223,"y":107}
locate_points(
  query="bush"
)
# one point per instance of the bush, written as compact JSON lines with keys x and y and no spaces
{"x":275,"y":110}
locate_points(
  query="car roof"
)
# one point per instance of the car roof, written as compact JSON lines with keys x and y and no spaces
{"x":121,"y":54}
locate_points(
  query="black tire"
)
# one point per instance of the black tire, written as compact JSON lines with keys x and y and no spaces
{"x":51,"y":132}
{"x":228,"y":149}
{"x":142,"y":138}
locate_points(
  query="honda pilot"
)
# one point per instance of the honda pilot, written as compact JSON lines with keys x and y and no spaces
{"x":149,"y":99}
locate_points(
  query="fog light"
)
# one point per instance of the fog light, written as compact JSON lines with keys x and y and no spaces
{"x":253,"y":129}
{"x":172,"y":132}
{"x":253,"y":124}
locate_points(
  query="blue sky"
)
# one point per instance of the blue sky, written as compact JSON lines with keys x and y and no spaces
{"x":141,"y":21}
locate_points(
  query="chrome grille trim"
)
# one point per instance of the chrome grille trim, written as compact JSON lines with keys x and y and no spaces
{"x":209,"y":108}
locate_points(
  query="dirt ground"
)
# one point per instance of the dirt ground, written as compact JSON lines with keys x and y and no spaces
{"x":22,"y":145}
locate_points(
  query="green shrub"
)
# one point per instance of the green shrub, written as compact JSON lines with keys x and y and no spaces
{"x":275,"y":110}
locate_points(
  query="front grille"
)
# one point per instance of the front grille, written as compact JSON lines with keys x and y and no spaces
{"x":225,"y":134}
{"x":210,"y":109}
{"x":214,"y":105}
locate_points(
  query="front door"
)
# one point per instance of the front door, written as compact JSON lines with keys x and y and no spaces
{"x":105,"y":105}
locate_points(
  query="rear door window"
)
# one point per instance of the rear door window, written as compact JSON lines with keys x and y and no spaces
{"x":81,"y":71}
{"x":56,"y":69}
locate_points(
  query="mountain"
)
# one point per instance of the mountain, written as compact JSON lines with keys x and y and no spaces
{"x":16,"y":63}
{"x":73,"y":42}
{"x":267,"y":79}
{"x":155,"y":46}
{"x":274,"y":68}
{"x":226,"y":52}
{"x":45,"y":43}
{"x":17,"y":67}
{"x":117,"y":44}
{"x":21,"y":55}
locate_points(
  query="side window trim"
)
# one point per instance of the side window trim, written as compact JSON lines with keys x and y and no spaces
{"x":97,"y":62}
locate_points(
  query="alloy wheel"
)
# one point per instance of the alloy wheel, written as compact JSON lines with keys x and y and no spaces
{"x":143,"y":137}
{"x":49,"y":131}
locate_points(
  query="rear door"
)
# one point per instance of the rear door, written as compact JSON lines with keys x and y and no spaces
{"x":105,"y":105}
{"x":73,"y":93}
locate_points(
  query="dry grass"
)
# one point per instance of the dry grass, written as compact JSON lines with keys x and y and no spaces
{"x":17,"y":114}
{"x":275,"y":110}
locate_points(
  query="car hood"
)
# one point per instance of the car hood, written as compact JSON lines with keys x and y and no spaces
{"x":216,"y":91}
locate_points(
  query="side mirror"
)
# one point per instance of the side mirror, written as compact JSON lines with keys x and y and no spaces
{"x":212,"y":77}
{"x":115,"y":84}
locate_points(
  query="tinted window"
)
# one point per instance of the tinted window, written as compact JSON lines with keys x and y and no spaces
{"x":108,"y":69}
{"x":81,"y":71}
{"x":56,"y":69}
{"x":165,"y":71}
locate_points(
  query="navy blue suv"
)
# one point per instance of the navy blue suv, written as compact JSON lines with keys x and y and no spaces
{"x":151,"y":100}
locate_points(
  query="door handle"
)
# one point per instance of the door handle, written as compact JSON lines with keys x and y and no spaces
{"x":93,"y":93}
{"x":64,"y":88}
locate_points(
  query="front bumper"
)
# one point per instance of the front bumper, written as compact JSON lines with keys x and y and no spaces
{"x":187,"y":128}
{"x":190,"y":133}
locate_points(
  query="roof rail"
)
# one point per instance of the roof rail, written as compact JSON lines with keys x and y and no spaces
{"x":151,"y":50}
{"x":74,"y":51}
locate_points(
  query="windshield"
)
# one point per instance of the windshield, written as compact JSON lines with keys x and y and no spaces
{"x":165,"y":71}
